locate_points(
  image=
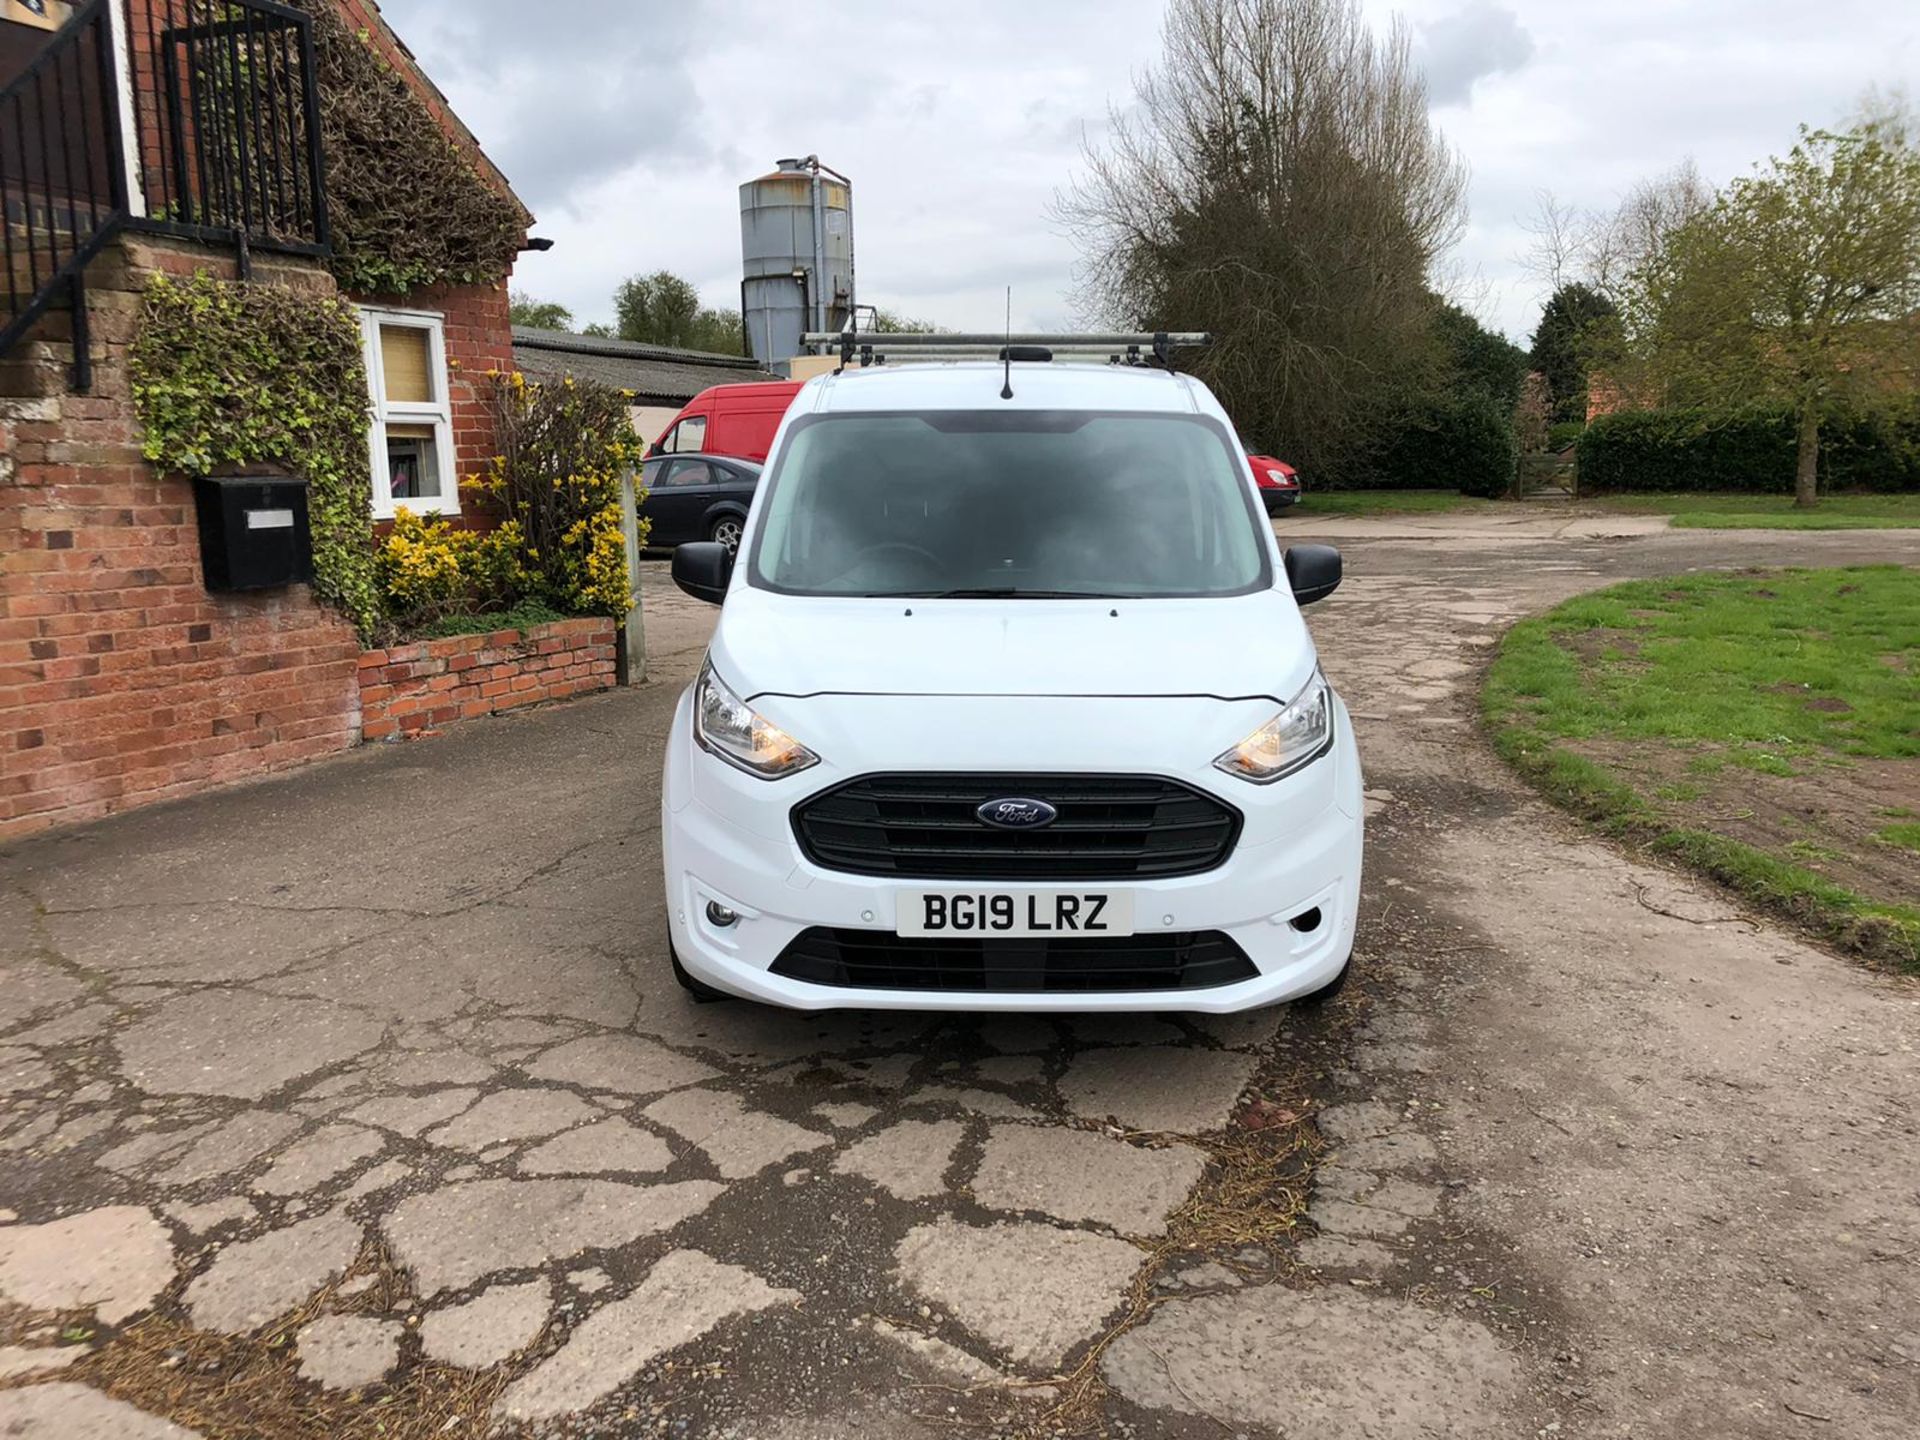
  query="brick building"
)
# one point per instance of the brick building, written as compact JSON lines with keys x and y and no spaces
{"x":123,"y":679}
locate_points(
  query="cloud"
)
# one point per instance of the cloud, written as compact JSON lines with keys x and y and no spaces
{"x":630,"y":126}
{"x":1469,"y":45}
{"x":562,"y":106}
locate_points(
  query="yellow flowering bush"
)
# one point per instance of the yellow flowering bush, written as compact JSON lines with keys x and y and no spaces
{"x":433,"y":570}
{"x":420,"y":567}
{"x":563,"y":449}
{"x":556,"y":486}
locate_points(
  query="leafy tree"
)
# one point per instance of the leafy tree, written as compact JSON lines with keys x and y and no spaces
{"x":1563,"y":345}
{"x":1278,"y":182}
{"x":665,"y":309}
{"x":1800,"y":284}
{"x":1474,"y":358}
{"x":523,"y":309}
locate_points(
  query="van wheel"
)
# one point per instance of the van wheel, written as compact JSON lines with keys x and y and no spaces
{"x":702,"y":993}
{"x":727,"y":531}
{"x":1326,"y":992}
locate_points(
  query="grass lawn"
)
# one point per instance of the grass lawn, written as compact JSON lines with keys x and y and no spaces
{"x":1721,"y":511}
{"x":1387,"y":502}
{"x":1762,"y":726}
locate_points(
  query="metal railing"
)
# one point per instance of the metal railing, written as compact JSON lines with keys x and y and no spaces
{"x":62,"y":182}
{"x":227,"y":122}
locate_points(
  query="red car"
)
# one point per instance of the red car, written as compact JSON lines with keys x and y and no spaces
{"x":1279,"y":482}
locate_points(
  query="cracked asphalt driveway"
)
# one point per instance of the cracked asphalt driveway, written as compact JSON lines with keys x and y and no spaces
{"x":378,"y":1070}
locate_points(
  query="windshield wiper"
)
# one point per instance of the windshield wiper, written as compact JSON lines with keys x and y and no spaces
{"x":998,"y":592}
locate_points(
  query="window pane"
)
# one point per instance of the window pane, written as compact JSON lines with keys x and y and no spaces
{"x":690,"y":435}
{"x":406,"y":355}
{"x":688,"y":472}
{"x":413,"y":463}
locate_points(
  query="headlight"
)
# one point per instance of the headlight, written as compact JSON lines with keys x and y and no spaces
{"x":726,"y":726}
{"x":1297,"y":736}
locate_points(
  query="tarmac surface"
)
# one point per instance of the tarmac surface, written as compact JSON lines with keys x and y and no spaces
{"x":384,"y":1060}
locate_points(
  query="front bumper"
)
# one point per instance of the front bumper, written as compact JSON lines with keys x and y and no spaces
{"x":1278,"y":500}
{"x":727,"y":839}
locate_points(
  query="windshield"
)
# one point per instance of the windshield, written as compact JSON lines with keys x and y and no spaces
{"x":1018,"y":504}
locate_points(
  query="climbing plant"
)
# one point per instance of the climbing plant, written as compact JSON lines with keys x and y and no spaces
{"x":407,"y":203}
{"x":231,"y":374}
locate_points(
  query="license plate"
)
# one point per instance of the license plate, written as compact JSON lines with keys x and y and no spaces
{"x":1015,"y":915}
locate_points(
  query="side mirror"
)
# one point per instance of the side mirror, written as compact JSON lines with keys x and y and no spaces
{"x":1312,"y":570}
{"x":702,"y":569}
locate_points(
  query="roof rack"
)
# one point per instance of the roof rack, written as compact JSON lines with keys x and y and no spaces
{"x":872,"y":347}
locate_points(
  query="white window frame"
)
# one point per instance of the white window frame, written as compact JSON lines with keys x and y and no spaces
{"x":438,"y":414}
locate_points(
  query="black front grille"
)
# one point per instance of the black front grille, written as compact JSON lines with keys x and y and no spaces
{"x":879,"y":960}
{"x":1110,"y":827}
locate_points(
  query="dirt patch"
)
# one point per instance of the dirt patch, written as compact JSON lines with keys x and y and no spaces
{"x":1824,"y":820}
{"x":1600,"y":643}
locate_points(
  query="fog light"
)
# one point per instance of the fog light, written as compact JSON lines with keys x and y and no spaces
{"x":718,"y":914}
{"x":1306,"y":922}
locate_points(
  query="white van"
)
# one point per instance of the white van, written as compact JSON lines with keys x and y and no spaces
{"x":1010,"y":707}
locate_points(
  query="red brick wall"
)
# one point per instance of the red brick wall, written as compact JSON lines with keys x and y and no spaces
{"x":408,"y":688}
{"x":122,"y":681}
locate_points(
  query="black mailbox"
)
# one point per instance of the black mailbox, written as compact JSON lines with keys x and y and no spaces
{"x":253,"y":531}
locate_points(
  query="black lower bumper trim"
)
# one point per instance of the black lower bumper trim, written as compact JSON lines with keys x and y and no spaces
{"x":879,"y":960}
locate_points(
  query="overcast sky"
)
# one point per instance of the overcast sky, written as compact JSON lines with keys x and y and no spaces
{"x":628,"y":125}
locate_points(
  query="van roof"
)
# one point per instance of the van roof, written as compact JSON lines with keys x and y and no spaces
{"x":975,"y":385}
{"x":781,"y":391}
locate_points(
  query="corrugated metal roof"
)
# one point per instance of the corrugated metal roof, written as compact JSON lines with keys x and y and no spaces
{"x":658,"y":373}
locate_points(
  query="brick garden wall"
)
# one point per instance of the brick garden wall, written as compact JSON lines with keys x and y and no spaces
{"x":430,"y":683}
{"x":122,"y":681}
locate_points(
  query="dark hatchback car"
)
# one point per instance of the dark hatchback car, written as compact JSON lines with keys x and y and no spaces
{"x":697,"y":497}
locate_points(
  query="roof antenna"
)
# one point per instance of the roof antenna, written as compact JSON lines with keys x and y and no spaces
{"x":1006,"y":390}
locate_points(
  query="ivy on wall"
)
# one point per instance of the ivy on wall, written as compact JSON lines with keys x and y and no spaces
{"x":226,"y":373}
{"x":408,"y":206}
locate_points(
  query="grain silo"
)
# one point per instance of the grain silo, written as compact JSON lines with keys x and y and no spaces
{"x":796,"y":241}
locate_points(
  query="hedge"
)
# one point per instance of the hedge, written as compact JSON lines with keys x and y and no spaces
{"x":1465,"y":442}
{"x":1752,"y":450}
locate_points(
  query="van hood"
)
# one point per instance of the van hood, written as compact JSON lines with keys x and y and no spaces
{"x":1230,"y":648}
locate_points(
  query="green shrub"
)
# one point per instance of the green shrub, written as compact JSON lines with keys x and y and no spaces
{"x":1465,"y":443}
{"x":1563,"y":433}
{"x":1688,"y":449}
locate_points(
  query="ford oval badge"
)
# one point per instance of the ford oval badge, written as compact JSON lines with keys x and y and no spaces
{"x":1017,"y":813}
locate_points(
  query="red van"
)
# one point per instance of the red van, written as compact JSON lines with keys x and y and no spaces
{"x":736,"y":420}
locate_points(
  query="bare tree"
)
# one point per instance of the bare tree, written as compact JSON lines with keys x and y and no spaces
{"x":1572,"y":245}
{"x":1562,"y":236}
{"x":1278,"y":183}
{"x":1622,"y":244}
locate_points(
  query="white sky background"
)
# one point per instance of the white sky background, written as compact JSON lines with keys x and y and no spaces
{"x":628,"y":125}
